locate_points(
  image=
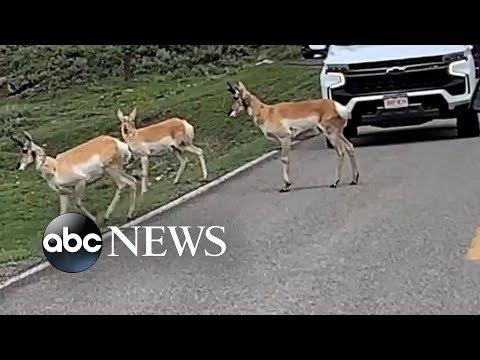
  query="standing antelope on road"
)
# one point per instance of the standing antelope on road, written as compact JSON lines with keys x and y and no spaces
{"x":173,"y":134}
{"x":80,"y":166}
{"x":278,"y":121}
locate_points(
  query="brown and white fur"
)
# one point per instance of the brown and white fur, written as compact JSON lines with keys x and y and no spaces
{"x":84,"y":164}
{"x":282,"y":121}
{"x":173,"y":134}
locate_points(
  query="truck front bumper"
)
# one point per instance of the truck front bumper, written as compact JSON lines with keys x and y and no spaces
{"x":413,"y":115}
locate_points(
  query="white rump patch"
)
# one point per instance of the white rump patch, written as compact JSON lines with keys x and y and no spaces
{"x":342,"y":111}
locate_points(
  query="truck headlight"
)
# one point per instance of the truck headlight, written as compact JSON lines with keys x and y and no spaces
{"x":459,"y":68}
{"x":333,"y":80}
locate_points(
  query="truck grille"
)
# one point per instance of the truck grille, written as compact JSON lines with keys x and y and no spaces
{"x":404,"y":75}
{"x":409,"y":80}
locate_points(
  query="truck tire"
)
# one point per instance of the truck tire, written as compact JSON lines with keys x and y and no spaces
{"x":468,"y":125}
{"x":329,"y":144}
{"x":350,"y":131}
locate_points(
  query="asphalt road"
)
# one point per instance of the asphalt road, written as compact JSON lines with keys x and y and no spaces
{"x":395,"y":244}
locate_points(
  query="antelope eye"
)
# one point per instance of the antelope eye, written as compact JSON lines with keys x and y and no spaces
{"x":25,"y":151}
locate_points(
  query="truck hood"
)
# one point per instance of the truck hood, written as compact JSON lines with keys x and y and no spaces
{"x":354,"y":54}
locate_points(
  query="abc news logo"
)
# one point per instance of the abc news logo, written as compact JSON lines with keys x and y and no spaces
{"x":73,"y":243}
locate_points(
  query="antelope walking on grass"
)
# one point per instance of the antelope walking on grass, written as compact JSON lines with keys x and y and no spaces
{"x":282,"y":121}
{"x":173,"y":134}
{"x":84,"y":164}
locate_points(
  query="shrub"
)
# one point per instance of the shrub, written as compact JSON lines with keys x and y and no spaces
{"x":51,"y":67}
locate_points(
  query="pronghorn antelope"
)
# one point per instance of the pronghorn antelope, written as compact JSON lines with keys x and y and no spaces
{"x":282,"y":121}
{"x":173,"y":134}
{"x":84,"y":164}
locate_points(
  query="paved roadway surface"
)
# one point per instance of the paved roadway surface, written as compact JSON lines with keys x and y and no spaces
{"x":395,"y":244}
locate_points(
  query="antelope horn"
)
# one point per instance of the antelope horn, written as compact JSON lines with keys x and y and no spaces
{"x":27,"y":135}
{"x":231,"y":88}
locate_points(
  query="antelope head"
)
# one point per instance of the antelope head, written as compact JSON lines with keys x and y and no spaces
{"x":30,"y":152}
{"x":242,"y":99}
{"x":127,"y":123}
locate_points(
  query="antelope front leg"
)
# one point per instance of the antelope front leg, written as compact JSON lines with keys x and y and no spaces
{"x":144,"y":161}
{"x":79,"y":191}
{"x":286,"y":144}
{"x":181,"y":168}
{"x":63,"y":203}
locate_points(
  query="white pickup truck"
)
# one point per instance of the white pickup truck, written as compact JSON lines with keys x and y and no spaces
{"x":402,"y":85}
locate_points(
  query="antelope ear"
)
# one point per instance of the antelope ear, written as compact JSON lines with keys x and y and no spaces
{"x":16,"y":141}
{"x":120,"y":115}
{"x":133,"y":115}
{"x":241,"y":87}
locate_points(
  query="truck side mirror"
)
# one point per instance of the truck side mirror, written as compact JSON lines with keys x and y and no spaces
{"x":476,"y":98}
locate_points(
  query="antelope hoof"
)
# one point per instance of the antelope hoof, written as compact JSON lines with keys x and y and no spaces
{"x":355,"y":181}
{"x":333,"y":186}
{"x":286,"y":188}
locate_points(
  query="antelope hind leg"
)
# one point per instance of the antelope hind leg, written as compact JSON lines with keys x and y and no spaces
{"x":340,"y":150}
{"x":349,"y":148}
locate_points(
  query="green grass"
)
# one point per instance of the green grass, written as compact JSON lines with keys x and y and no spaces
{"x":80,"y":113}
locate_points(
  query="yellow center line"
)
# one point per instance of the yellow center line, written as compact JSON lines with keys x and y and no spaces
{"x":473,"y":253}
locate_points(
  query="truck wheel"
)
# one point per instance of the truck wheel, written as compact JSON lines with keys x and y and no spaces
{"x":467,"y":124}
{"x":329,"y":144}
{"x":350,"y":132}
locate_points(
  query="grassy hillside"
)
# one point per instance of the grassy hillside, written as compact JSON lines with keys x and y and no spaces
{"x":81,"y":112}
{"x":35,"y":68}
